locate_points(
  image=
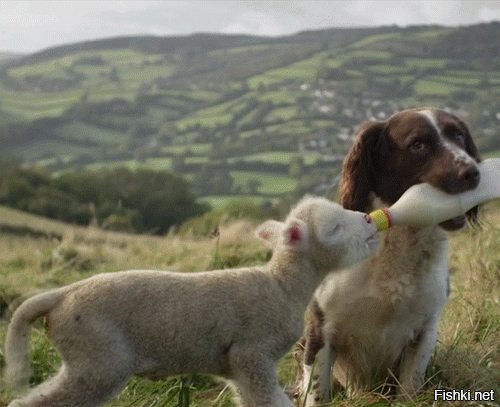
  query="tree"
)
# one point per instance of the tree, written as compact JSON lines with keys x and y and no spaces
{"x":296,"y":167}
{"x":253,"y":186}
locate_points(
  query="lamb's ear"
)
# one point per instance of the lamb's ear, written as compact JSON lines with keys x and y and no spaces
{"x":296,"y":235}
{"x":270,"y":231}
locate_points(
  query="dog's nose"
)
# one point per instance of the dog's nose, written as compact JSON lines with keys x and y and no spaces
{"x":470,"y":176}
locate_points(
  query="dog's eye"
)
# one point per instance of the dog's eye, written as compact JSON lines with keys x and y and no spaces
{"x":459,"y":138}
{"x":418,"y":147}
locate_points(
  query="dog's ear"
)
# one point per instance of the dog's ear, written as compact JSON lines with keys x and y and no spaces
{"x":360,"y":165}
{"x":470,"y":147}
{"x":270,"y":231}
{"x":296,"y":235}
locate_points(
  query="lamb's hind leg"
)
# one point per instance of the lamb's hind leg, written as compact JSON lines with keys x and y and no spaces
{"x":75,"y":387}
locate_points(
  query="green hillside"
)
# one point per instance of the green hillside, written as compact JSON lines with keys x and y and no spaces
{"x":281,"y":109}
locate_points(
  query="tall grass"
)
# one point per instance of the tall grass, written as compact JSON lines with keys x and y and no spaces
{"x":467,"y":355}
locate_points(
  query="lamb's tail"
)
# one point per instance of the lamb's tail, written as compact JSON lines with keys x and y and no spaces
{"x":16,"y":343}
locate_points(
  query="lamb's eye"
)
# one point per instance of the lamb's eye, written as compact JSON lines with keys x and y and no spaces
{"x":333,"y":231}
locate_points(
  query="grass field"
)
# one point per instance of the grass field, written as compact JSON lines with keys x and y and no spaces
{"x":33,"y":151}
{"x":269,"y":184}
{"x":82,"y":131}
{"x":467,"y":355}
{"x":156,"y":164}
{"x":281,"y":157}
{"x":200,"y":148}
{"x":220,"y":201}
{"x":433,"y":88}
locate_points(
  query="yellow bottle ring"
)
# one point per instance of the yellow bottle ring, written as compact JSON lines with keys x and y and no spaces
{"x":382,"y":219}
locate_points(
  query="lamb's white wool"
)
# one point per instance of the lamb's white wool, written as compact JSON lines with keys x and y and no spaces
{"x":232,"y":323}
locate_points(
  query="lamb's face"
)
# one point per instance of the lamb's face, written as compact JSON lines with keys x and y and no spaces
{"x":331,"y":236}
{"x":341,"y":237}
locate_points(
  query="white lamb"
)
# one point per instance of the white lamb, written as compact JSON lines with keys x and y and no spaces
{"x":232,"y":323}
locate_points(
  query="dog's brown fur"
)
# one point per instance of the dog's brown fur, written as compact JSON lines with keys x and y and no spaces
{"x":379,"y":319}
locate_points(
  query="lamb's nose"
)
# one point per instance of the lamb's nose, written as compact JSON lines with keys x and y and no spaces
{"x":368,"y":218}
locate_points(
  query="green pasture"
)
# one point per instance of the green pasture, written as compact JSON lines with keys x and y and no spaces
{"x":250,"y":133}
{"x":145,"y":73}
{"x":6,"y":117}
{"x":423,"y":63}
{"x":93,"y":72}
{"x":279,"y":96}
{"x":282,"y":113}
{"x":270,"y":184}
{"x":249,"y":117}
{"x":195,"y":148}
{"x":237,"y":50}
{"x":473,"y":74}
{"x":368,"y":41}
{"x":220,"y":201}
{"x":31,"y":105}
{"x":208,"y":117}
{"x":48,"y":148}
{"x":457,"y":80}
{"x":296,"y":127}
{"x":153,"y":163}
{"x":305,"y":70}
{"x":265,"y":80}
{"x":82,"y":131}
{"x":295,"y":71}
{"x":134,"y":68}
{"x":205,"y":120}
{"x":389,"y":70}
{"x":197,"y":160}
{"x":430,"y":34}
{"x":426,"y":87}
{"x":312,"y":62}
{"x":279,"y":157}
{"x":360,"y":54}
{"x":111,"y":57}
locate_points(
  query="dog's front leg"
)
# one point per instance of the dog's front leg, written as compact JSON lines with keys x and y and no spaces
{"x":416,"y":357}
{"x":314,"y":382}
{"x":316,"y":385}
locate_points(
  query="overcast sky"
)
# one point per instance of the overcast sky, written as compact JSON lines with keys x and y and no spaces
{"x":30,"y":26}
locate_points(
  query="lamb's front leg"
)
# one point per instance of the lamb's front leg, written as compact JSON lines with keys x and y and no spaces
{"x":416,"y":357}
{"x":256,"y":381}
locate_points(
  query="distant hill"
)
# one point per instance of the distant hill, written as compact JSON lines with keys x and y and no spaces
{"x":9,"y":56}
{"x":238,"y":115}
{"x":203,"y":42}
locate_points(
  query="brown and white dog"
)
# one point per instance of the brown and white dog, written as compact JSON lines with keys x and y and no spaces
{"x":377,"y":321}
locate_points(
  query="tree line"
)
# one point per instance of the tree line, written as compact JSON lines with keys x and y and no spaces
{"x":141,"y":201}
